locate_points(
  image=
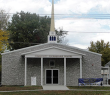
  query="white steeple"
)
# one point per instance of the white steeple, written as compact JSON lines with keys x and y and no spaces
{"x":52,"y":37}
{"x":52,"y":27}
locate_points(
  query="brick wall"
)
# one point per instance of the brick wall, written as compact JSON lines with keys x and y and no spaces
{"x":13,"y":66}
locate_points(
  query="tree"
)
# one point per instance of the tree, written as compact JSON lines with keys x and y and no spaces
{"x":61,"y":35}
{"x":0,"y":66}
{"x":3,"y":40}
{"x":3,"y":44}
{"x":4,"y":17}
{"x":28,"y":29}
{"x":102,"y":48}
{"x":3,"y":33}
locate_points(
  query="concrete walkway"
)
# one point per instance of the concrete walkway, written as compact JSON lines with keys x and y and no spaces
{"x":51,"y":90}
{"x":55,"y":87}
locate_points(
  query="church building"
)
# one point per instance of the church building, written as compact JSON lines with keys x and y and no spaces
{"x":49,"y":63}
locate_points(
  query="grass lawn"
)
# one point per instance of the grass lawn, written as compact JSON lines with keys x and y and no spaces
{"x":71,"y":92}
{"x":58,"y":93}
{"x":9,"y":88}
{"x":89,"y":87}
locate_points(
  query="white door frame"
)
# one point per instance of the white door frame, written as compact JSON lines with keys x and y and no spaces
{"x":52,"y":75}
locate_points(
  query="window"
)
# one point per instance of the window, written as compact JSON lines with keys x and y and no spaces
{"x":52,"y":63}
{"x":54,"y":38}
{"x":50,"y":38}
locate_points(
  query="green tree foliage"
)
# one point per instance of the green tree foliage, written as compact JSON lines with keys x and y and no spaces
{"x":102,"y":48}
{"x":27,"y":29}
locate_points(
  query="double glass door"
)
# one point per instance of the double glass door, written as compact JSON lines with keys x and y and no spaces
{"x":51,"y":76}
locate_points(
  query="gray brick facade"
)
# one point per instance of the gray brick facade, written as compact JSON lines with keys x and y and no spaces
{"x":13,"y":66}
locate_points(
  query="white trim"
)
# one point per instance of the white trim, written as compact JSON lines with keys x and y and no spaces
{"x":78,"y":49}
{"x":25,"y":74}
{"x":24,"y":48}
{"x":65,"y":71}
{"x":80,"y":67}
{"x":52,"y":43}
{"x":54,"y":57}
{"x":53,"y":48}
{"x":104,"y":68}
{"x":52,"y":75}
{"x":107,"y":79}
{"x":109,"y":72}
{"x":41,"y":71}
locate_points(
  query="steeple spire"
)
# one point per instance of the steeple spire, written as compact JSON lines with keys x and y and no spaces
{"x":52,"y":27}
{"x":52,"y":37}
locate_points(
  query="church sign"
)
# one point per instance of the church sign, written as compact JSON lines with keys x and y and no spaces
{"x":55,"y":56}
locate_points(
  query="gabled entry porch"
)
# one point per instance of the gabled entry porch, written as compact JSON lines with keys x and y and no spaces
{"x":55,"y":72}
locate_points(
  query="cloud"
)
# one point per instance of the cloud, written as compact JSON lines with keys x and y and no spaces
{"x":82,"y":6}
{"x":61,"y":6}
{"x":69,"y":23}
{"x":84,"y":25}
{"x":33,"y":6}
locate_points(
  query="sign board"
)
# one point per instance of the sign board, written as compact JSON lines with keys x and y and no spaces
{"x":55,"y":56}
{"x":89,"y":81}
{"x":33,"y":80}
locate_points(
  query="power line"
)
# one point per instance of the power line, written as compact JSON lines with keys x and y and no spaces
{"x":43,"y":43}
{"x":20,"y":42}
{"x":107,"y":15}
{"x":58,"y":14}
{"x":71,"y":18}
{"x":86,"y":32}
{"x":74,"y":16}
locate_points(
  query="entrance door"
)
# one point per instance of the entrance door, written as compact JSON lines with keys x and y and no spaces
{"x":48,"y":76}
{"x":55,"y":76}
{"x":51,"y":76}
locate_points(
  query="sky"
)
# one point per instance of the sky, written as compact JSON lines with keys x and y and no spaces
{"x":85,"y":20}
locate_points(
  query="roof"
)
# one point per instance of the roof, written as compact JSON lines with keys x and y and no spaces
{"x":53,"y":44}
{"x":104,"y":68}
{"x":52,"y":48}
{"x":108,"y":64}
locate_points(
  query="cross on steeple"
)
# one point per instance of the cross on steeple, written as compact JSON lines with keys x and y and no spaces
{"x":52,"y":37}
